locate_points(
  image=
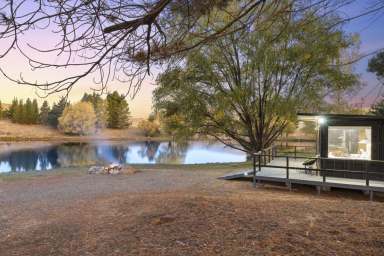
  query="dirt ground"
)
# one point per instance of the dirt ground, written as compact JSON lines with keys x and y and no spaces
{"x":19,"y":132}
{"x":182,"y":212}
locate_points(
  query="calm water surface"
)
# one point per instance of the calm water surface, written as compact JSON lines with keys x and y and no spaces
{"x":47,"y":157}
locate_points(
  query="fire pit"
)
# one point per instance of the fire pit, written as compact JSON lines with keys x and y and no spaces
{"x":109,"y":169}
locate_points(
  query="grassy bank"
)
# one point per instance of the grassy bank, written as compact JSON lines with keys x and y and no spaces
{"x":73,"y":171}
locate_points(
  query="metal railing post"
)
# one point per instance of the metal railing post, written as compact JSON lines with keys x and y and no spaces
{"x":295,"y":152}
{"x":287,"y":158}
{"x":366,"y":175}
{"x":254,"y":170}
{"x":269,"y":155}
{"x":259,"y":163}
{"x":324,"y":175}
{"x":264,"y":158}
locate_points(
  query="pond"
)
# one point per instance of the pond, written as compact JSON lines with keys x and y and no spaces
{"x":41,"y":156}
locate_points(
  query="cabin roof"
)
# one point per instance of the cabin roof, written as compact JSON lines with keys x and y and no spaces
{"x":309,"y":116}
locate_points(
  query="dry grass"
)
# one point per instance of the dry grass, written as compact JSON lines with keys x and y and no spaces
{"x":18,"y":132}
{"x":189,"y":212}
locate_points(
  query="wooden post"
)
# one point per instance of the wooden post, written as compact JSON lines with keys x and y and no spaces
{"x":370,"y":195}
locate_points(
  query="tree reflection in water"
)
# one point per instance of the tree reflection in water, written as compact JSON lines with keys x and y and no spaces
{"x":112,"y":153}
{"x":75,"y":154}
{"x":29,"y":159}
{"x":173,"y":153}
{"x":85,"y":154}
{"x":149,"y":150}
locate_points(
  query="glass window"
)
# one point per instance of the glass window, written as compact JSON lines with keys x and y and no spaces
{"x":352,"y":142}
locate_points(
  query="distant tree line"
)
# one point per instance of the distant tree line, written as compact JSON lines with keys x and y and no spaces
{"x":94,"y":114}
{"x":24,"y":113}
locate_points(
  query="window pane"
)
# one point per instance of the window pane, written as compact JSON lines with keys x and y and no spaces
{"x":349,"y":142}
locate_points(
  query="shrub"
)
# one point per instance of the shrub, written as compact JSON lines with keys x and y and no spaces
{"x":78,"y":119}
{"x":150,"y":128}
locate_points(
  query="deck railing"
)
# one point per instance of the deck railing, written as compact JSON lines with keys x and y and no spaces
{"x":263,"y":159}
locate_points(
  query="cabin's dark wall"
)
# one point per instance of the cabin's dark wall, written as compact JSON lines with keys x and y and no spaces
{"x":356,"y":167}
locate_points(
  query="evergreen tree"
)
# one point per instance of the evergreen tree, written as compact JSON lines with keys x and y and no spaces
{"x":1,"y":110}
{"x":56,"y":112}
{"x":35,"y":112}
{"x":118,"y":111}
{"x":19,"y":115}
{"x":44,"y":113}
{"x":12,"y":110}
{"x":378,"y":109}
{"x":27,"y":112}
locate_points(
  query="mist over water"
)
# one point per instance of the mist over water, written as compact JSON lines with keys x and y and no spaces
{"x":45,"y":158}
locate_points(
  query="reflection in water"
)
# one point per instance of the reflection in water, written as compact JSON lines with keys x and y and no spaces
{"x":149,"y":150}
{"x":73,"y":154}
{"x":173,"y":153}
{"x":83,"y":154}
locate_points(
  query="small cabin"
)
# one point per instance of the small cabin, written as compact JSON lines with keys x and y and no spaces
{"x":354,"y":143}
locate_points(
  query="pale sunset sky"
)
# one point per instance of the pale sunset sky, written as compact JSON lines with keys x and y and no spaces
{"x":370,"y":29}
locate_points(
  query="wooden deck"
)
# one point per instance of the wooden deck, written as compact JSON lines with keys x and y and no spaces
{"x":296,"y":176}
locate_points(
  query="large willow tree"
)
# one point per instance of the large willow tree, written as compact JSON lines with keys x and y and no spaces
{"x":245,"y":88}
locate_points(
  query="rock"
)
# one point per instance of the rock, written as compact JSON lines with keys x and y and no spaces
{"x":113,"y":169}
{"x":96,"y":170}
{"x":163,"y":219}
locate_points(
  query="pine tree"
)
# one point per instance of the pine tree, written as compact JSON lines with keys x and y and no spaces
{"x":1,"y":110}
{"x":19,"y":115}
{"x":12,"y":110}
{"x":56,"y":112}
{"x":118,"y":111}
{"x":27,"y":112}
{"x":44,"y":112}
{"x":35,"y":112}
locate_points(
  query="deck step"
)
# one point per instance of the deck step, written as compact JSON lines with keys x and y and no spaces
{"x":237,"y":175}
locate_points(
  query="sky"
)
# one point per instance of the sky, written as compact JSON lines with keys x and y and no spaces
{"x":370,"y":29}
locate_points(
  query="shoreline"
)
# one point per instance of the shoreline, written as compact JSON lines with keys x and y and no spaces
{"x":65,"y":138}
{"x":83,"y":170}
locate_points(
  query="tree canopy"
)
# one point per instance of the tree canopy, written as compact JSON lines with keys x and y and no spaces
{"x":245,"y":88}
{"x":1,"y":111}
{"x":100,"y":107}
{"x":121,"y":39}
{"x":44,"y":113}
{"x":56,"y":112}
{"x":378,"y":109}
{"x":24,"y":113}
{"x":78,"y":119}
{"x":118,"y":111}
{"x":376,"y":66}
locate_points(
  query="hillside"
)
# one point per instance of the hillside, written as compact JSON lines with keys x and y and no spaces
{"x":5,"y":106}
{"x":18,"y":132}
